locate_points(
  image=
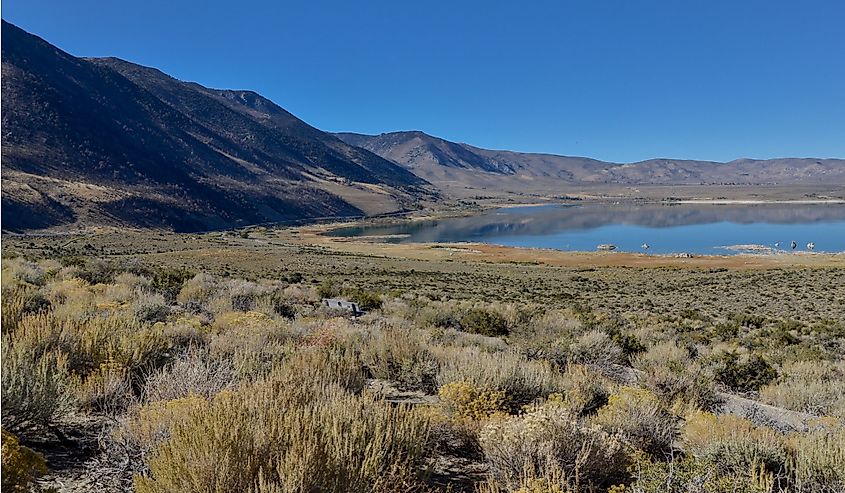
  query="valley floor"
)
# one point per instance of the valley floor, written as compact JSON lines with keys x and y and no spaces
{"x":168,"y":352}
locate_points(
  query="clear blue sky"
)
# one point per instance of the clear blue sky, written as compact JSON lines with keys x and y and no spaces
{"x":619,"y":80}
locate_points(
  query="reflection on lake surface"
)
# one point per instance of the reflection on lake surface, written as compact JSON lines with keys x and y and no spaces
{"x":693,"y":228}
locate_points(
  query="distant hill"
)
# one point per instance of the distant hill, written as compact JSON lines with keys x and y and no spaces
{"x":439,"y":161}
{"x":105,"y":141}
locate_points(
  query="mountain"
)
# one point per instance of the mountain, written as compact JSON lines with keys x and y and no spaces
{"x":443,"y":162}
{"x":105,"y":141}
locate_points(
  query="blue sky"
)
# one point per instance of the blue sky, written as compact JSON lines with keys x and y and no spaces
{"x":618,"y":80}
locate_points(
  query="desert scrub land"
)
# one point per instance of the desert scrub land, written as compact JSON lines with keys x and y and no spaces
{"x":809,"y":288}
{"x":202,"y":363}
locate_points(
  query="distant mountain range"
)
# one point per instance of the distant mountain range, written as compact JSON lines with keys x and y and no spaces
{"x":102,"y":141}
{"x":439,"y":160}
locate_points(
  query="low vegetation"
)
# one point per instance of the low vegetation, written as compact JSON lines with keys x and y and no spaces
{"x":196,"y":380}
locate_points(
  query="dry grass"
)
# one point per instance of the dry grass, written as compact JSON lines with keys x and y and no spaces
{"x":644,"y":422}
{"x":815,"y":387}
{"x":271,"y":436}
{"x":522,"y":380}
{"x":210,"y":382}
{"x":551,"y":442}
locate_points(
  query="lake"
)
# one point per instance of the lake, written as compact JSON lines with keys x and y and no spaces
{"x":665,"y":228}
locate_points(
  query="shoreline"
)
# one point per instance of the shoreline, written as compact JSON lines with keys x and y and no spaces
{"x":490,"y":253}
{"x":757,"y":202}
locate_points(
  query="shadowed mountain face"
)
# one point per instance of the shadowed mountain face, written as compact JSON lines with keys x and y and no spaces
{"x":104,"y":141}
{"x":441,"y":161}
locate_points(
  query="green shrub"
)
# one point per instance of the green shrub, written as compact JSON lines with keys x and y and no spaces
{"x":328,"y":289}
{"x":749,"y":320}
{"x":445,"y":320}
{"x":98,"y":271}
{"x":36,"y":385}
{"x":689,"y":474}
{"x":726,"y":331}
{"x":484,"y":322}
{"x":169,"y":281}
{"x":366,"y":300}
{"x":743,"y":376}
{"x":281,"y":305}
{"x":294,"y":278}
{"x":630,"y":344}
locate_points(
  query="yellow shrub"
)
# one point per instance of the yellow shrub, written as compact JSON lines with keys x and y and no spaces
{"x":198,"y":289}
{"x":49,"y":352}
{"x":676,"y":379}
{"x":71,"y":298}
{"x":550,"y":483}
{"x":18,"y":301}
{"x":734,"y":444}
{"x":466,"y":401}
{"x":551,"y":443}
{"x":242,"y":321}
{"x":105,"y":389}
{"x":275,"y":436}
{"x":21,"y":465}
{"x":400,"y":355}
{"x":641,"y":418}
{"x":450,"y":434}
{"x":185,"y":330}
{"x":688,"y":474}
{"x":22,"y":271}
{"x":193,"y":373}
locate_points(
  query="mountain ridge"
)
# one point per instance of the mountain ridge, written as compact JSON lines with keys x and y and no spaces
{"x":428,"y":155}
{"x":105,"y":141}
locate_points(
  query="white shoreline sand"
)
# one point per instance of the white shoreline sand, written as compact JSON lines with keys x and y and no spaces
{"x":750,"y":201}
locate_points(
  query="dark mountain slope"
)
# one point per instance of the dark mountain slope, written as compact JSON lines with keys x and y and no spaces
{"x":442,"y":161}
{"x":110,"y":142}
{"x":260,"y":127}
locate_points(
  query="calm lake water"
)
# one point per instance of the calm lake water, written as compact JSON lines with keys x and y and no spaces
{"x":692,"y":228}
